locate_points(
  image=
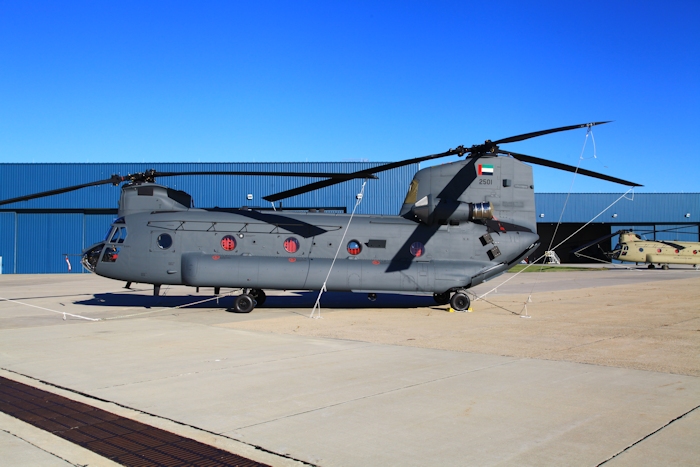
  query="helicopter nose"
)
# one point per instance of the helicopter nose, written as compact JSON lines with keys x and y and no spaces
{"x":91,"y":255}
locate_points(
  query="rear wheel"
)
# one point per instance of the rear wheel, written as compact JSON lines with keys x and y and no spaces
{"x":442,"y":298}
{"x":460,"y":301}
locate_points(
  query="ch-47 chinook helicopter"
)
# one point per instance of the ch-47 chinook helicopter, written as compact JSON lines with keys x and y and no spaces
{"x":632,"y":248}
{"x":462,"y":223}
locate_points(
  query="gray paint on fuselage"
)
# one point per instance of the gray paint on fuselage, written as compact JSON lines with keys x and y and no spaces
{"x":452,"y":256}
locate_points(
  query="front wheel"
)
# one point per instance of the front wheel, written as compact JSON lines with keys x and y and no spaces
{"x":460,"y":301}
{"x":243,"y":304}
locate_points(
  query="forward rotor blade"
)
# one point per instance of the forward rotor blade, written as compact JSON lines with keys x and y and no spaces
{"x":115,"y":180}
{"x":359,"y":174}
{"x":568,"y":168}
{"x":342,"y":176}
{"x":534,"y":134}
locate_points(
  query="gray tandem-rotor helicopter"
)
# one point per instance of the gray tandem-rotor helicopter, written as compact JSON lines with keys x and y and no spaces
{"x":462,"y":223}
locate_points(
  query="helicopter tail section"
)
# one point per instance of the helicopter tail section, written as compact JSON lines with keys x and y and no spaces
{"x":498,"y":191}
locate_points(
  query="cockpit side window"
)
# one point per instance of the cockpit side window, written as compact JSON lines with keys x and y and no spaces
{"x":110,"y":233}
{"x":118,"y":235}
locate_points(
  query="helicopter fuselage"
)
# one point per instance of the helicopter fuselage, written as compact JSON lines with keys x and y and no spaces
{"x":257,"y":250}
{"x":633,"y":248}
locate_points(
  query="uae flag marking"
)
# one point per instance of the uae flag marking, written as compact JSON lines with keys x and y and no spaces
{"x":485,"y":169}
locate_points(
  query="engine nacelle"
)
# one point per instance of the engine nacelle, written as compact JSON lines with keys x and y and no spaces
{"x":434,"y":210}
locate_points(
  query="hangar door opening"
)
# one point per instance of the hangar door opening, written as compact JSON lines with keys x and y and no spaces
{"x":588,"y":234}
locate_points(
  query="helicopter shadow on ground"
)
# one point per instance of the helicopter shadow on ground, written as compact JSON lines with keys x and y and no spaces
{"x":300,"y":299}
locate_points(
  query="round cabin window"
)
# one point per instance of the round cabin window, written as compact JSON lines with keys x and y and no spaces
{"x":164,"y":241}
{"x":354,"y":247}
{"x":228,"y":243}
{"x":291,"y":245}
{"x":417,"y":249}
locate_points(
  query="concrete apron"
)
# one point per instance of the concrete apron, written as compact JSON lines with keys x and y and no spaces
{"x":334,"y":402}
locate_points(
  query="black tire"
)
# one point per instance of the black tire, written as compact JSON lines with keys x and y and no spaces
{"x":441,"y":298}
{"x":259,"y":296}
{"x":243,"y":304}
{"x":460,"y":301}
{"x":664,"y":267}
{"x":651,"y":266}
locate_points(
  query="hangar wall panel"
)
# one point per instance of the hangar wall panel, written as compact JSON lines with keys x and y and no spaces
{"x":644,"y":208}
{"x":77,"y":227}
{"x":43,"y":239}
{"x":7,"y":242}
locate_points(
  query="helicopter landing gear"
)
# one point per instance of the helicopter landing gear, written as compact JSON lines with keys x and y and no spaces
{"x":244,"y":303}
{"x":442,"y":298}
{"x":460,"y":301}
{"x":156,"y":290}
{"x":258,"y":295}
{"x":248,"y":300}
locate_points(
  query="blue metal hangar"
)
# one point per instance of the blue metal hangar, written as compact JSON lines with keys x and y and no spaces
{"x":44,"y":235}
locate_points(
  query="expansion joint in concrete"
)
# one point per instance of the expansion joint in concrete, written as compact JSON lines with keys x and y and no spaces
{"x":41,"y":449}
{"x":649,"y":435}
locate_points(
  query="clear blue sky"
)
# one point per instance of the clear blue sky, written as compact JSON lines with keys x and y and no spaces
{"x":211,"y":81}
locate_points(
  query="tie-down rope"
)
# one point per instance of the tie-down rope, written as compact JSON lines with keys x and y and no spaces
{"x":317,"y":305}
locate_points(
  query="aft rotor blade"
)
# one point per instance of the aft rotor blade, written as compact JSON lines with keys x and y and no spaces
{"x":674,"y":245}
{"x":115,"y":180}
{"x":334,"y":175}
{"x":568,"y":168}
{"x":367,"y":173}
{"x":534,"y":134}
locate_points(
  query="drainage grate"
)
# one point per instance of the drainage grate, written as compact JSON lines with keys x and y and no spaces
{"x":120,"y":439}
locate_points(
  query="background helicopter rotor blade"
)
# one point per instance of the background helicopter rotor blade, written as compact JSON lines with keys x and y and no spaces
{"x":149,"y":176}
{"x":367,"y":173}
{"x":568,"y":168}
{"x":596,"y":241}
{"x":534,"y":134}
